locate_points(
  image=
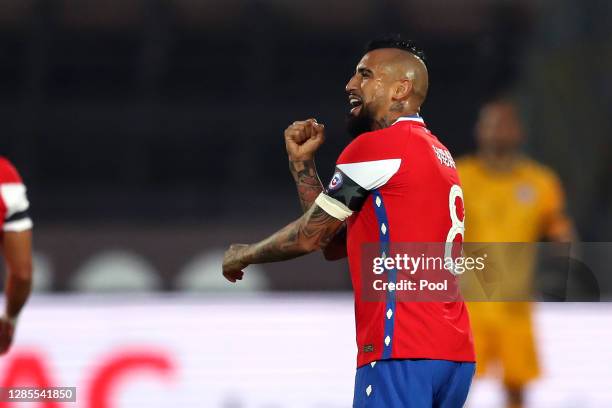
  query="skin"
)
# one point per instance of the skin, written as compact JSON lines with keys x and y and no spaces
{"x":17,"y":251}
{"x":390,"y":83}
{"x":499,"y":135}
{"x":302,"y":140}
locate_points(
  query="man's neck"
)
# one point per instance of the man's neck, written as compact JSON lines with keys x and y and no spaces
{"x":391,"y":117}
{"x":499,"y":161}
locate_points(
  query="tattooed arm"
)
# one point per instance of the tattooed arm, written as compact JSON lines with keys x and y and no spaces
{"x":312,"y":231}
{"x":307,"y":180}
{"x":309,"y":187}
{"x":302,"y":140}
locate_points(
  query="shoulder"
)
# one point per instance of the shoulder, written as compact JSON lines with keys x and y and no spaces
{"x":371,"y":159}
{"x":376,"y":145}
{"x":539,"y":172}
{"x":8,"y":172}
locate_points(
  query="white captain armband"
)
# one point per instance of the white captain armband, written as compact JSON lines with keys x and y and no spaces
{"x":333,"y":207}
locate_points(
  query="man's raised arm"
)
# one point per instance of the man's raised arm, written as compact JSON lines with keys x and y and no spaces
{"x":302,"y":140}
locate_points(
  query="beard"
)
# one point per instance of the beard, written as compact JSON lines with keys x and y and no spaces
{"x":362,"y":123}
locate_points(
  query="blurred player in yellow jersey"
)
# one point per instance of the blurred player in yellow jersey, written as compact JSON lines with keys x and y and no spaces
{"x":508,"y":198}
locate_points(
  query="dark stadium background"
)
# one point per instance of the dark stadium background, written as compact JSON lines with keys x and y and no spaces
{"x":127,"y":115}
{"x":150,"y":132}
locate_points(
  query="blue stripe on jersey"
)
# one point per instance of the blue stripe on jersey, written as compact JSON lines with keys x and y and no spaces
{"x":383,"y":234}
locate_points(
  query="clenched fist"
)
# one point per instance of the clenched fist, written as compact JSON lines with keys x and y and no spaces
{"x":303,"y":139}
{"x":233,"y":263}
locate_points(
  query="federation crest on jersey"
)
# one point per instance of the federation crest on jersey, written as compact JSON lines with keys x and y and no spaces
{"x":525,"y":193}
{"x":336,"y":181}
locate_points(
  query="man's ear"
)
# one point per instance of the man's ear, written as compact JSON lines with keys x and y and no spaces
{"x":402,"y":89}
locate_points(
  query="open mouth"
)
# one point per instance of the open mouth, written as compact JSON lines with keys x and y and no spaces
{"x":355,"y":103}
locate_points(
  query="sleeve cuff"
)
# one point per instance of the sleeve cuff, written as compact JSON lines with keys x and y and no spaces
{"x":333,"y":207}
{"x":18,"y":225}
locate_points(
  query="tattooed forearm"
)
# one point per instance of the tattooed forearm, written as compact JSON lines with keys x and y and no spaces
{"x":312,"y":231}
{"x":307,"y":181}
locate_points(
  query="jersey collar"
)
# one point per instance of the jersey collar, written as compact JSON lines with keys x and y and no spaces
{"x":411,"y":118}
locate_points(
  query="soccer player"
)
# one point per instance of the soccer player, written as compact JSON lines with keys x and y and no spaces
{"x":16,"y":227}
{"x":395,"y":182}
{"x":509,"y":198}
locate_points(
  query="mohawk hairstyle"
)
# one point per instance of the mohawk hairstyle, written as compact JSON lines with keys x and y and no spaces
{"x":396,"y":41}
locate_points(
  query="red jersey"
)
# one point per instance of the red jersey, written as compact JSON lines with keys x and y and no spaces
{"x":414,"y":195}
{"x":14,"y":204}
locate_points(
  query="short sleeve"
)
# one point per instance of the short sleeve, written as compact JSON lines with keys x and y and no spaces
{"x":14,"y":197}
{"x":370,"y":160}
{"x":366,"y":164}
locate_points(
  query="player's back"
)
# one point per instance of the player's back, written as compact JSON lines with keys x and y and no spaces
{"x":415,"y":198}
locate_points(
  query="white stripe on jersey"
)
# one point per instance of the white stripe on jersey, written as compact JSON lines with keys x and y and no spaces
{"x":409,"y":119}
{"x":14,"y":197}
{"x":18,"y":225}
{"x":371,"y":174}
